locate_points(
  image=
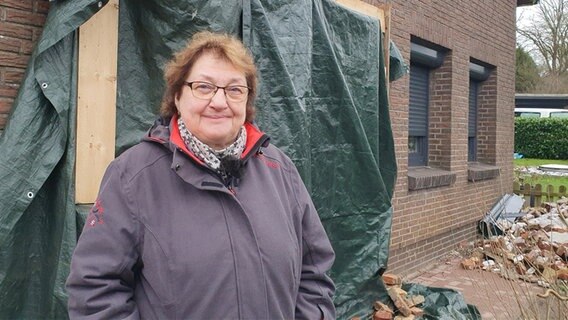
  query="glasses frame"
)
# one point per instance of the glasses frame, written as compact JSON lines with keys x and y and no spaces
{"x":228,"y":98}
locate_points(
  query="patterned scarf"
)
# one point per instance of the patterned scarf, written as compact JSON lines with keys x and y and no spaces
{"x":210,"y":156}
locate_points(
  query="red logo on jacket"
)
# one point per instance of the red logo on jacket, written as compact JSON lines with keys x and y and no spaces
{"x":267,"y":162}
{"x":96,"y":214}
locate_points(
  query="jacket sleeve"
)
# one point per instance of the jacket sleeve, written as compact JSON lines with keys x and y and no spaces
{"x":101,"y":280}
{"x":315,"y":296}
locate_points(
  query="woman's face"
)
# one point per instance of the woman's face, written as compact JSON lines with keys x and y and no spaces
{"x":215,"y":121}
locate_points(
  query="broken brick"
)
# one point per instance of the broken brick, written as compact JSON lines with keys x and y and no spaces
{"x":391,"y":279}
{"x":561,"y":251}
{"x":520,"y":243}
{"x":469,"y":264}
{"x":382,"y":315}
{"x":562,"y":274}
{"x":415,"y":300}
{"x":417,"y":311}
{"x":521,"y":268}
{"x":544,"y":245}
{"x":378,"y":306}
{"x":399,"y":301}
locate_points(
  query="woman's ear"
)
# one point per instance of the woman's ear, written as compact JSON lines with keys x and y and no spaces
{"x":176,"y":102}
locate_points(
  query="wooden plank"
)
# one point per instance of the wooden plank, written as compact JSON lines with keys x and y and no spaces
{"x":537,"y":194}
{"x":96,"y":104}
{"x":550,"y":195}
{"x":386,"y":40}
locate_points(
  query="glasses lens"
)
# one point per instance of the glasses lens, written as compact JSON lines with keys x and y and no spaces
{"x":236,"y":93}
{"x":206,"y":91}
{"x":203,"y":90}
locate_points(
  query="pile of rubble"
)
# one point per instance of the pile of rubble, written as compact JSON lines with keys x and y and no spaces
{"x":532,"y":247}
{"x":405,"y":304}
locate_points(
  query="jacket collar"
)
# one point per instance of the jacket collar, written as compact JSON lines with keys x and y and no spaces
{"x":165,"y":131}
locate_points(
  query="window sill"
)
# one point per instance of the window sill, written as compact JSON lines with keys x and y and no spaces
{"x":426,"y":177}
{"x":477,"y":171}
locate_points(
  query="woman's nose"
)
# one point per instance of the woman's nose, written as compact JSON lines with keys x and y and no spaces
{"x":219,"y":100}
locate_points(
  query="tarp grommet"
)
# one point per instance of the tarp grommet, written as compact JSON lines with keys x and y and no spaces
{"x":44,"y":85}
{"x":30,"y":194}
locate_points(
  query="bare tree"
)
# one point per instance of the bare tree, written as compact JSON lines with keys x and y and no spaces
{"x":547,"y":37}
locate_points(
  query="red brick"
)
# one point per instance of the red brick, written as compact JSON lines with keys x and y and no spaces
{"x":8,"y":91}
{"x":391,"y":279}
{"x":13,"y":76}
{"x":27,"y":47}
{"x":18,"y":4}
{"x":13,"y":60}
{"x":16,"y":30}
{"x":41,"y":6}
{"x":22,"y":17}
{"x":5,"y":105}
{"x":10,"y":44}
{"x":36,"y":34}
{"x":382,"y":315}
{"x":3,"y":120}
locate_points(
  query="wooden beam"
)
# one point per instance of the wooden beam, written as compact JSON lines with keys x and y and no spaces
{"x":96,"y":103}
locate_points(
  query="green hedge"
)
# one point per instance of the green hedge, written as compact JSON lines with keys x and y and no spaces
{"x":542,"y":138}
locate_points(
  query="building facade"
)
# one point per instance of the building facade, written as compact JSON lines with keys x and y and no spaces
{"x":452,"y":119}
{"x":452,"y":116}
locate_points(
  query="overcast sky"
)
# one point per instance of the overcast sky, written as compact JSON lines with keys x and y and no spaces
{"x":524,"y":14}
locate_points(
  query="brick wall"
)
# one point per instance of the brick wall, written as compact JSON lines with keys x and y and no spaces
{"x":21,"y":24}
{"x":439,"y":120}
{"x":486,"y":116}
{"x":428,"y":223}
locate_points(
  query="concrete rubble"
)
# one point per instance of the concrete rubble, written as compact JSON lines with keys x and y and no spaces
{"x":532,"y":247}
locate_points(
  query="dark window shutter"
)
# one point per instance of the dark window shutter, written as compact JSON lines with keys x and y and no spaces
{"x":418,"y":104}
{"x":418,"y":115}
{"x":472,"y":121}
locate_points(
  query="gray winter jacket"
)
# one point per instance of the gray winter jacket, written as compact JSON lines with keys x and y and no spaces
{"x":166,"y":239}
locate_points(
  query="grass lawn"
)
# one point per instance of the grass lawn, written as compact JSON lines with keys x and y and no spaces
{"x":537,"y":162}
{"x":534,"y":179}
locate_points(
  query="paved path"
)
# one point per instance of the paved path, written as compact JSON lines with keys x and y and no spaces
{"x":495,"y":297}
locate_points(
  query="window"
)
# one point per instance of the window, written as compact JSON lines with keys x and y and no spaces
{"x":424,"y":57}
{"x":429,"y":104}
{"x":559,"y":114}
{"x":527,"y":114}
{"x":478,"y":74}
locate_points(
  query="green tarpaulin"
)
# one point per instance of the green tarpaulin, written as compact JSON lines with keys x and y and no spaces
{"x":322,"y":99}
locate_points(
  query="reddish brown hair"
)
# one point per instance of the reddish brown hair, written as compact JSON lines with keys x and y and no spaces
{"x":224,"y":46}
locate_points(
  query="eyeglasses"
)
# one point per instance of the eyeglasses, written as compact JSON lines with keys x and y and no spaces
{"x":206,"y":91}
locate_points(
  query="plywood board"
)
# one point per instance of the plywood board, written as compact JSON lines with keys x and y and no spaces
{"x":96,"y":104}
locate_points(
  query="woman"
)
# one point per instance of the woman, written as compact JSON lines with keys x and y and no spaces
{"x":204,"y":219}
